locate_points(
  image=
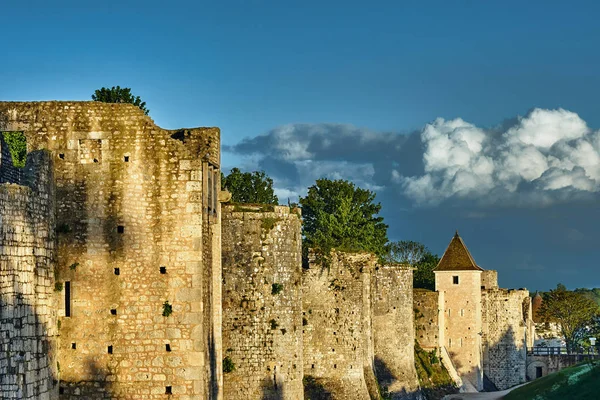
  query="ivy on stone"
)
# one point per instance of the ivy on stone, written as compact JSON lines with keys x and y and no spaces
{"x":228,"y":365}
{"x":276,"y":288}
{"x":17,"y":145}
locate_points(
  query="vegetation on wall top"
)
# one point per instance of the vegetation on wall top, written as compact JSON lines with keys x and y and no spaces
{"x":117,"y":94}
{"x":17,"y":145}
{"x":339,"y":215}
{"x":249,"y":187}
{"x":416,"y":255}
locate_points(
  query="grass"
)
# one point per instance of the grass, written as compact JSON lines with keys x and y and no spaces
{"x":433,"y":377}
{"x":580,"y":382}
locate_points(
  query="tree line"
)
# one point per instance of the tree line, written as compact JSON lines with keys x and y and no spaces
{"x":575,"y":313}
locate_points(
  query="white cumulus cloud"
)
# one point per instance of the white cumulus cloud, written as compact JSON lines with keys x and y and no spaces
{"x":544,"y":152}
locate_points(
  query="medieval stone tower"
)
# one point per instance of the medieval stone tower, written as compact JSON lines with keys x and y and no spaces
{"x":115,"y":261}
{"x":458,"y":277}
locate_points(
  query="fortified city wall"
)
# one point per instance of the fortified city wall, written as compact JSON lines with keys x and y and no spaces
{"x":505,"y":331}
{"x":426,"y":304}
{"x":334,"y":334}
{"x":393,"y":331}
{"x":262,"y":302}
{"x":28,"y":368}
{"x":138,"y":258}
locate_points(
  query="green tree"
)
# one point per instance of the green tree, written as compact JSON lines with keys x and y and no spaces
{"x":17,"y":145}
{"x":417,"y":255}
{"x":573,"y":312}
{"x":249,"y":187}
{"x":117,"y":94}
{"x":339,"y":215}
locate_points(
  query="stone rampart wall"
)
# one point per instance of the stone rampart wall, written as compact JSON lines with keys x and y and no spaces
{"x":335,"y":334}
{"x":504,"y":336}
{"x":28,"y":330}
{"x":262,"y":302}
{"x":427,"y":312}
{"x":489,"y":279}
{"x":394,"y":332}
{"x":138,"y":239}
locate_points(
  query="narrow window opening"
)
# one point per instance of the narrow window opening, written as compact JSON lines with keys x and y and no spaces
{"x":61,"y":390}
{"x":67,"y":299}
{"x":449,"y":342}
{"x":95,"y":160}
{"x":448,"y":312}
{"x":120,"y":229}
{"x":334,"y":365}
{"x":126,"y":158}
{"x":168,"y":390}
{"x":313,"y":366}
{"x":74,"y":346}
{"x":110,"y":349}
{"x":113,"y":311}
{"x":210,"y":193}
{"x":61,"y":156}
{"x":168,"y":347}
{"x":455,"y":279}
{"x":460,"y":342}
{"x":462,"y":312}
{"x":117,"y":271}
{"x":163,"y":270}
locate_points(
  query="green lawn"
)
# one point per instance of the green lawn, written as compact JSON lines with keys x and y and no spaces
{"x":580,"y":382}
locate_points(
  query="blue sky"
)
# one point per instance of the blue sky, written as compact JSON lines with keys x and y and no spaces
{"x":347,"y":90}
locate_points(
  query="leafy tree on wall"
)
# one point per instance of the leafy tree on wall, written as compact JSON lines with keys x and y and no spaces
{"x":249,"y":187}
{"x":117,"y":94}
{"x":417,"y":255}
{"x":339,"y":215}
{"x":573,"y":312}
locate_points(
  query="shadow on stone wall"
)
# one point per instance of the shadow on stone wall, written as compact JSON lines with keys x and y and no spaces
{"x":27,"y":369}
{"x":504,"y":361}
{"x":385,"y":377}
{"x":272,"y":391}
{"x":214,"y":386}
{"x":314,"y":389}
{"x":98,"y":387}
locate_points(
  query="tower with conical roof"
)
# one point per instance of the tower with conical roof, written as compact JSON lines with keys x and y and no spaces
{"x":459,"y":278}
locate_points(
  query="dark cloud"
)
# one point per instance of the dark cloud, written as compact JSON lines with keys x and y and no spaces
{"x":546,"y":157}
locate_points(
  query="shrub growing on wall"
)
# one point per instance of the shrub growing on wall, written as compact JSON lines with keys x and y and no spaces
{"x":17,"y":144}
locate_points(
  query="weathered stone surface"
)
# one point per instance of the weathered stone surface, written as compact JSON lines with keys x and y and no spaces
{"x":505,"y":331}
{"x":28,"y":368}
{"x":262,"y":303}
{"x":394,"y":332}
{"x":134,"y":198}
{"x":337,"y":335}
{"x":427,"y":318}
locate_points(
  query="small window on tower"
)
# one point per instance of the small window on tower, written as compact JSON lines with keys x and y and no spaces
{"x":455,"y":279}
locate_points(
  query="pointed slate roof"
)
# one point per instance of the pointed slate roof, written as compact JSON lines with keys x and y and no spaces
{"x":457,"y":257}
